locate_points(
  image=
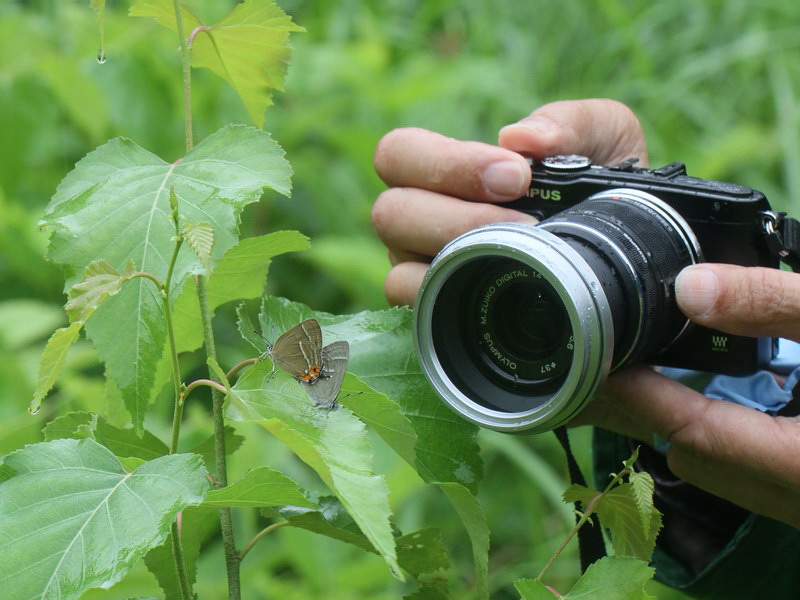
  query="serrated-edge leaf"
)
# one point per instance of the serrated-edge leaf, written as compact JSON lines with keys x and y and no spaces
{"x":382,"y":356}
{"x":618,"y":512}
{"x":100,"y":281}
{"x":333,"y":443}
{"x":249,"y":49}
{"x":72,"y":506}
{"x":200,"y":237}
{"x":613,"y":578}
{"x":114,"y":206}
{"x":259,"y":487}
{"x":533,"y":589}
{"x":52,"y":361}
{"x":643,"y":488}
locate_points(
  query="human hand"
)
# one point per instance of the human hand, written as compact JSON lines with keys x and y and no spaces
{"x":440,"y":188}
{"x":732,"y":451}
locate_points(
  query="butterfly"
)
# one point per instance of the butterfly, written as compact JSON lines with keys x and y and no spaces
{"x":299,"y":352}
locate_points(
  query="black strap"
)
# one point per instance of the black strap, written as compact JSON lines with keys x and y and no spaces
{"x":783,"y":239}
{"x":590,"y":539}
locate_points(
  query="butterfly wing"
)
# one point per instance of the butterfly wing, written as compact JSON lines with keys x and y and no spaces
{"x":299,"y":350}
{"x":324,"y":390}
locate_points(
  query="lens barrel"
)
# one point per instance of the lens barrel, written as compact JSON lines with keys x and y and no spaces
{"x":516,"y":326}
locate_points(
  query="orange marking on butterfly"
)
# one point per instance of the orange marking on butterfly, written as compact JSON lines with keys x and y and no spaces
{"x":312,"y":374}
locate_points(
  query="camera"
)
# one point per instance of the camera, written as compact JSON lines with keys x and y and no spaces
{"x":516,"y":325}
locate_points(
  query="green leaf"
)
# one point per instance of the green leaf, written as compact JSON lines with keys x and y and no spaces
{"x":610,"y":578}
{"x":72,"y":519}
{"x":74,"y":425}
{"x":197,"y":525}
{"x":614,"y":578}
{"x":643,"y":487}
{"x":633,"y":533}
{"x":240,"y":275}
{"x":115,"y":206}
{"x":259,"y":487}
{"x":248,"y":48}
{"x":52,"y":361}
{"x":382,"y":355}
{"x":233,"y":442}
{"x":200,"y":238}
{"x":334,"y":443}
{"x":419,"y":553}
{"x":439,"y":445}
{"x":124,"y":443}
{"x":100,"y":280}
{"x":471,"y":514}
{"x":533,"y":589}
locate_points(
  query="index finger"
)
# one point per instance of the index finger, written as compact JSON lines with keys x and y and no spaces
{"x":417,"y":158}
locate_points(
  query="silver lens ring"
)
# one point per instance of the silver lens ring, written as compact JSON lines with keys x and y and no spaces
{"x":576,"y":286}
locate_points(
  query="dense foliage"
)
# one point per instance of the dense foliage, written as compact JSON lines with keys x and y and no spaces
{"x":715,"y":84}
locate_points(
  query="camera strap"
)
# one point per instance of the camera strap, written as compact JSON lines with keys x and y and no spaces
{"x":591,"y":545}
{"x":783,"y":238}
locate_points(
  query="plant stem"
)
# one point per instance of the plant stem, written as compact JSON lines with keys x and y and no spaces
{"x":259,"y":535}
{"x":206,"y":382}
{"x":180,"y":564}
{"x":177,"y":415}
{"x":186,"y":62}
{"x":238,"y":367}
{"x":587,"y":513}
{"x":218,"y":399}
{"x":186,"y":65}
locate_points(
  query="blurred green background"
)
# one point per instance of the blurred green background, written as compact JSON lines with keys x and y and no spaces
{"x":715,"y":84}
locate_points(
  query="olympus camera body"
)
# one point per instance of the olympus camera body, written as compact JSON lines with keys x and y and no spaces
{"x":516,"y":326}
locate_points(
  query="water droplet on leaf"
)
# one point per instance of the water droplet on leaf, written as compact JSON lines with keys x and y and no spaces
{"x":101,"y":56}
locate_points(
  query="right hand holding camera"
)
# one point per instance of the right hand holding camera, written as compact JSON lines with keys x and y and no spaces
{"x":441,"y":188}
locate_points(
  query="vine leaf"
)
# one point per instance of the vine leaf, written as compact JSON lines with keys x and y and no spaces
{"x":72,"y":518}
{"x":333,"y":443}
{"x":248,"y":48}
{"x":610,"y":578}
{"x":259,"y":487}
{"x":99,"y":282}
{"x":115,"y":205}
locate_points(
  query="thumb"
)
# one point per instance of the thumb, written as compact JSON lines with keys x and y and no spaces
{"x":605,"y":130}
{"x":753,"y":301}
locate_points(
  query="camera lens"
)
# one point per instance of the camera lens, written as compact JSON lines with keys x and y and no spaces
{"x":516,"y":326}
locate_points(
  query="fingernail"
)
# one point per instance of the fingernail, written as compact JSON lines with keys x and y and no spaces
{"x":506,"y":179}
{"x":697,"y":289}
